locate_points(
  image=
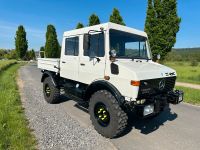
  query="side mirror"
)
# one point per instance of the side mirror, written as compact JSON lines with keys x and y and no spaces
{"x":86,"y":43}
{"x":113,"y":53}
{"x":158,"y":57}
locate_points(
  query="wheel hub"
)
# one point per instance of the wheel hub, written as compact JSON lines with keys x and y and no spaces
{"x":47,"y":90}
{"x":102,"y":114}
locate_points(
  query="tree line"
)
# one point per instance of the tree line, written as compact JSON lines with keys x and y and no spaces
{"x":115,"y":17}
{"x":161,"y":25}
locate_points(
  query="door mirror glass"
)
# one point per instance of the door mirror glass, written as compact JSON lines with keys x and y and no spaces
{"x":86,"y":43}
{"x":113,"y":53}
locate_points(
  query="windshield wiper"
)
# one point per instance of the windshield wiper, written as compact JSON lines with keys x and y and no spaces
{"x":133,"y":58}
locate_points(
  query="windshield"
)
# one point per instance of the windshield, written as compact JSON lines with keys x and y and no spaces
{"x":128,"y":45}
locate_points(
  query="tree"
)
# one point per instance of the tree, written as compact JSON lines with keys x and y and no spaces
{"x":12,"y":54}
{"x":116,"y":17}
{"x":162,"y":24}
{"x":52,"y":47}
{"x":79,"y":25}
{"x":30,"y":55}
{"x":21,"y":44}
{"x":3,"y":52}
{"x":42,"y":50}
{"x":94,"y":20}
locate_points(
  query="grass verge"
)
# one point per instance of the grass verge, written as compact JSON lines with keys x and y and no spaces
{"x":14,"y":131}
{"x":4,"y":64}
{"x":191,"y":96}
{"x":186,"y":72}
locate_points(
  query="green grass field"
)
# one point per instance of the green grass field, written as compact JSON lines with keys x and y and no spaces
{"x":14,"y":131}
{"x":186,"y":72}
{"x":5,"y":64}
{"x":191,"y":96}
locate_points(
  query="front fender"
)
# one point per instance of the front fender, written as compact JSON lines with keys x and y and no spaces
{"x":104,"y":85}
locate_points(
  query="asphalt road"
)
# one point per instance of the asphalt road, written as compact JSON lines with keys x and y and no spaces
{"x":177,"y":128}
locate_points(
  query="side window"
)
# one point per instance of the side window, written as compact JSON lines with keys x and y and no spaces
{"x":96,"y":46}
{"x":72,"y":46}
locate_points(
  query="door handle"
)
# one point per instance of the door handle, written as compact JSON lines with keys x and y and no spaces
{"x":82,"y":64}
{"x":63,"y":62}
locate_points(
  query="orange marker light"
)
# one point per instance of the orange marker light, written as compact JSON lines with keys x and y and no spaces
{"x":106,"y":77}
{"x":135,"y":83}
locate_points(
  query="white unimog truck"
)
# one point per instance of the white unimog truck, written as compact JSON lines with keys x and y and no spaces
{"x":109,"y":66}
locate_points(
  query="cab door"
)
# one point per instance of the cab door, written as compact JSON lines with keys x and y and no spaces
{"x":70,"y":58}
{"x":92,"y":60}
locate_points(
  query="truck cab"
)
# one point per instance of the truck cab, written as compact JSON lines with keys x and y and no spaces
{"x":110,"y":67}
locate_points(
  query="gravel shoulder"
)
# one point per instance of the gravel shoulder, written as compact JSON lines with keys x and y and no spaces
{"x":52,"y":126}
{"x":189,"y":85}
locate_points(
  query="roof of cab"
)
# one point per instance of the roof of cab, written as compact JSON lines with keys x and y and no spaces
{"x":105,"y":26}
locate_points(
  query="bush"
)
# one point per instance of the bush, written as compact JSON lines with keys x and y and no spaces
{"x":194,"y":63}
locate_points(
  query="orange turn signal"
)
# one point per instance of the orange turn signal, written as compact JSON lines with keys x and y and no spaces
{"x":135,"y":83}
{"x":106,"y":77}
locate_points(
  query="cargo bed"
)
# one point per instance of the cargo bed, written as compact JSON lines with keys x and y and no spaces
{"x":50,"y":64}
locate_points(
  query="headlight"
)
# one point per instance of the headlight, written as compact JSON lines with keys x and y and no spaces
{"x":149,"y":109}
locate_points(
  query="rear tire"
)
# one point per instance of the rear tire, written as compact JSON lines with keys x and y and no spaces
{"x":115,"y":121}
{"x":51,"y":93}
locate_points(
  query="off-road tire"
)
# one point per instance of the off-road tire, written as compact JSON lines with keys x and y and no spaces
{"x":118,"y":118}
{"x":54,"y":91}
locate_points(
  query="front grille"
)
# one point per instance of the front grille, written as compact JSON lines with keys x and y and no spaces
{"x":149,"y":88}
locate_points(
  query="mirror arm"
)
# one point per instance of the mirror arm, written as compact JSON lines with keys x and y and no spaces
{"x":97,"y":58}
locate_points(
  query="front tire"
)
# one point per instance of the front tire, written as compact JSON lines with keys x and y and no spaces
{"x":51,"y":93}
{"x":106,"y":115}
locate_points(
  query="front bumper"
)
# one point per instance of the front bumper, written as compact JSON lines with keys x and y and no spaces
{"x":159,"y":102}
{"x":175,"y":97}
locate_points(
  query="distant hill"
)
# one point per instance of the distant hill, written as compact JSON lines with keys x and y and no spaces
{"x":184,"y":54}
{"x":187,"y":49}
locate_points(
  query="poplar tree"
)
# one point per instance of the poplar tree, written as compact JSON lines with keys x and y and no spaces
{"x":115,"y":17}
{"x":21,"y":43}
{"x":94,"y":20}
{"x":79,"y":25}
{"x":162,"y":25}
{"x":32,"y":54}
{"x":52,"y":47}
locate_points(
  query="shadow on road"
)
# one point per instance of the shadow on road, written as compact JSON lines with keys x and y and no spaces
{"x":145,"y":125}
{"x":62,"y":99}
{"x":148,"y":125}
{"x":79,"y":104}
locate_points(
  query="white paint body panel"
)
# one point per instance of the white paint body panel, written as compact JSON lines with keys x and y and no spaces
{"x":92,"y":70}
{"x":68,"y":64}
{"x":51,"y":64}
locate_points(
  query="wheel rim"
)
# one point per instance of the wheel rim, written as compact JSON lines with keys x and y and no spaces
{"x":102,"y":114}
{"x":47,"y":90}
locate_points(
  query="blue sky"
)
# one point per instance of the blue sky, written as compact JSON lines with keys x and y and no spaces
{"x":64,"y":14}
